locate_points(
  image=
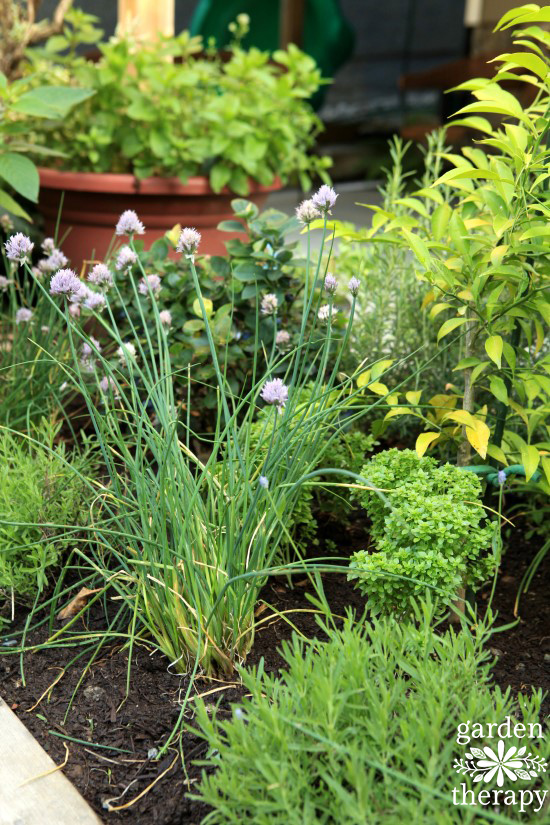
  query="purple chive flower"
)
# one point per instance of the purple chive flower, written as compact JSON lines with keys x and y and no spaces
{"x":165,"y":317}
{"x":109,"y":384}
{"x":282,"y":339}
{"x":88,"y":348}
{"x":4,"y":283}
{"x":100,"y":275}
{"x":48,"y":245}
{"x":324,"y":313}
{"x":126,"y":259}
{"x":150,"y":282}
{"x":501,"y":475}
{"x":307,"y":212}
{"x":269,"y":304}
{"x":95,"y":300}
{"x":331,"y":284}
{"x":263,"y":481}
{"x":18,"y":248}
{"x":23,"y":316}
{"x":275,"y":392}
{"x":325,"y":198}
{"x":189,"y":241}
{"x":126,"y":352}
{"x":56,"y":260}
{"x":74,"y":310}
{"x":65,"y":282}
{"x":129,"y":224}
{"x":354,"y":286}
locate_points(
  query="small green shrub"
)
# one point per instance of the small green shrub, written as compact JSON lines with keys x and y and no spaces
{"x":432,"y":531}
{"x":351,"y":733}
{"x":40,"y":484}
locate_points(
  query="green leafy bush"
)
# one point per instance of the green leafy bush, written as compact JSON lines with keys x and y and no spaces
{"x":261,"y":261}
{"x":351,"y":733}
{"x":168,"y":107}
{"x":40,"y":484}
{"x":429,"y":528}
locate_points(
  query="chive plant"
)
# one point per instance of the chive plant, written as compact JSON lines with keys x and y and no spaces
{"x":185,"y":538}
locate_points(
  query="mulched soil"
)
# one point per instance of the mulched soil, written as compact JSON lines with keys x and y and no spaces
{"x":128,"y":728}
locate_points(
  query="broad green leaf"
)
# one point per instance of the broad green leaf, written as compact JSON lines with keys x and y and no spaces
{"x":192,"y":326}
{"x":466,"y":363}
{"x":380,"y":368}
{"x":378,"y":388}
{"x":497,"y":453}
{"x":393,"y":413}
{"x":440,"y":218}
{"x":536,"y":232}
{"x":478,"y":436}
{"x":220,"y":176}
{"x":498,"y":388}
{"x":530,"y":458}
{"x":449,"y":326}
{"x":413,"y":397}
{"x":208,"y":306}
{"x":51,"y":101}
{"x":231,"y":226}
{"x":526,"y":61}
{"x":418,"y":247}
{"x":7,"y":202}
{"x":493,"y":347}
{"x":21,"y":174}
{"x":423,"y":442}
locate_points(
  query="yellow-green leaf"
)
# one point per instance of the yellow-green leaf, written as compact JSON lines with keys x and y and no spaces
{"x":381,"y":367}
{"x":413,"y":397}
{"x":478,"y":435}
{"x":493,"y":347}
{"x":497,"y":453}
{"x":530,"y":458}
{"x":423,"y":442}
{"x":498,"y":388}
{"x":449,"y":326}
{"x":208,"y":305}
{"x":378,"y":388}
{"x":363,"y":379}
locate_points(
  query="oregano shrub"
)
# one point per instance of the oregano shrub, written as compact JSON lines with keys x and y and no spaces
{"x":430,"y":527}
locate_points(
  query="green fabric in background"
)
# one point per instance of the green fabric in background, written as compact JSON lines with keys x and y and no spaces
{"x":327,"y":37}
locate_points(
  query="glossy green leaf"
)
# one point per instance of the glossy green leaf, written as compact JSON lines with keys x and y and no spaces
{"x":21,"y":174}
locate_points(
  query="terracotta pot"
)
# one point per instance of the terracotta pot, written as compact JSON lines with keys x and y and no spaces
{"x":93,"y":202}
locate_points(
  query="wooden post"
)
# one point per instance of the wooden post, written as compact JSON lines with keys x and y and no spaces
{"x":146,"y":18}
{"x":291,"y":26}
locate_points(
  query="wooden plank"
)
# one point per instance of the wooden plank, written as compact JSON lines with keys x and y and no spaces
{"x":27,"y":797}
{"x":146,"y":18}
{"x":291,"y":28}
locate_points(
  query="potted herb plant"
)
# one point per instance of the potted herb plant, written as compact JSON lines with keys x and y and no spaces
{"x":173,"y":131}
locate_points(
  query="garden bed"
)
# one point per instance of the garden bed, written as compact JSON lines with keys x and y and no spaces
{"x":127,"y":730}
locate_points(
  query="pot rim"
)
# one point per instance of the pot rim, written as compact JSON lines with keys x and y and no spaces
{"x":126,"y":184}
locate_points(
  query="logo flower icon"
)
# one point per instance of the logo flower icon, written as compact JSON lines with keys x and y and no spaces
{"x":484,"y":765}
{"x":499,"y":763}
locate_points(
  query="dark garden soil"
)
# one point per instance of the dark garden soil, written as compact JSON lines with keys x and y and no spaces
{"x":116,"y":734}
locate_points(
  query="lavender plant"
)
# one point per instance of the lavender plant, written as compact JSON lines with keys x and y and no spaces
{"x":183,"y":539}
